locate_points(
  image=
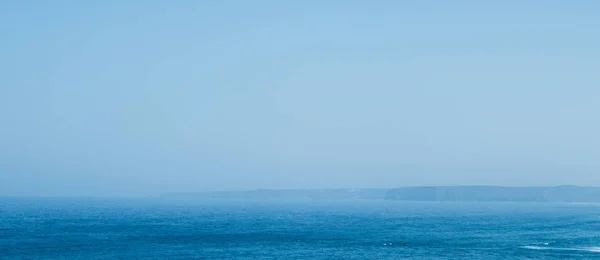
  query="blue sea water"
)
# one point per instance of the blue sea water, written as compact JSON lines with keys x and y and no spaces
{"x":237,"y":229}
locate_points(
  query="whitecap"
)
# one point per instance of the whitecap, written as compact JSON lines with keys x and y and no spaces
{"x":595,"y":249}
{"x":586,"y":249}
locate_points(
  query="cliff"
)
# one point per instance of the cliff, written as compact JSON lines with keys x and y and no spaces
{"x":496,"y":193}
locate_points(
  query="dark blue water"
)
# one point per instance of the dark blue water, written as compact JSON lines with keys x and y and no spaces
{"x":158,"y":229}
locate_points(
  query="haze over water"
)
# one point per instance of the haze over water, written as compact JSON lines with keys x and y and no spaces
{"x":124,"y":98}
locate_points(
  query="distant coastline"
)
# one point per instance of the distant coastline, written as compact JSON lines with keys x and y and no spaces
{"x":563,"y":193}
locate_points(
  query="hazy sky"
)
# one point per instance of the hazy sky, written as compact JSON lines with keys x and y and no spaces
{"x":144,"y":97}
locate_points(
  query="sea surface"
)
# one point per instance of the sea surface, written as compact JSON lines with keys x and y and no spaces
{"x":245,"y":229}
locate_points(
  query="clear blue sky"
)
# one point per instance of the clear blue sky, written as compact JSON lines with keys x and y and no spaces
{"x":143,"y":97}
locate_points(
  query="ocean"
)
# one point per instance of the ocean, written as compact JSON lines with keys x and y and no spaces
{"x":156,"y":228}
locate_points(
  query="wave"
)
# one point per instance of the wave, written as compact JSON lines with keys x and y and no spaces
{"x":586,"y":249}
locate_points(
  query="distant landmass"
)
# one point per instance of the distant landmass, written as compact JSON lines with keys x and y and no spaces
{"x":496,"y":193}
{"x":376,"y":194}
{"x":565,"y":193}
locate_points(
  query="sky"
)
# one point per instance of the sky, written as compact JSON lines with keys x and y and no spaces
{"x":120,"y":98}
